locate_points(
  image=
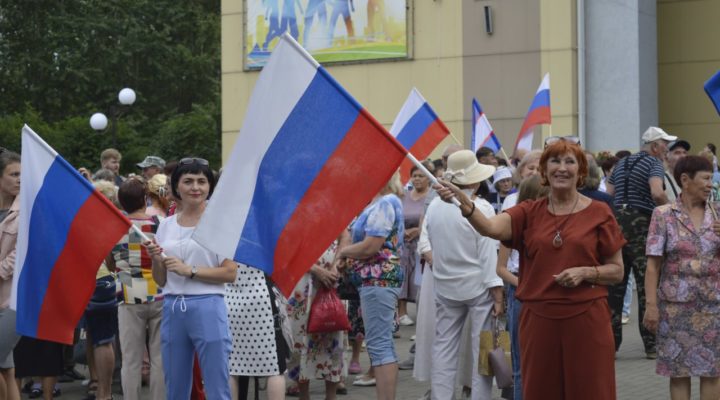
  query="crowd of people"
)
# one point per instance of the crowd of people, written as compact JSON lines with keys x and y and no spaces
{"x":544,"y":242}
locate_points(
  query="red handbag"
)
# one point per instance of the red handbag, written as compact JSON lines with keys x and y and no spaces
{"x":327,"y":313}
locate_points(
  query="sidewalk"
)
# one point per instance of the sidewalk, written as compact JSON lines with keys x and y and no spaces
{"x":635,"y":375}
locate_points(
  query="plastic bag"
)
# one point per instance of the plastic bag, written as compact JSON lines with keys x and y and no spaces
{"x":327,"y":313}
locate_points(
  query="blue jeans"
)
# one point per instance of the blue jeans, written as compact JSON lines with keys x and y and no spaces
{"x":627,"y":302}
{"x":378,"y":311}
{"x":513,"y":318}
{"x":193,"y":324}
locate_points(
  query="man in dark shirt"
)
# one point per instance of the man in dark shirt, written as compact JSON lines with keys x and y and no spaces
{"x":637,"y":184}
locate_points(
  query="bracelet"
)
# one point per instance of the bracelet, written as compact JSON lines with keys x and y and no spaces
{"x":597,"y":275}
{"x":472,"y":210}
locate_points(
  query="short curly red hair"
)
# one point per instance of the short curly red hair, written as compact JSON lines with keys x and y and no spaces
{"x":560,"y":148}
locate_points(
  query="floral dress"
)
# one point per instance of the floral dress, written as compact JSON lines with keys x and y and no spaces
{"x":383,"y":218}
{"x":688,"y":336}
{"x":323,"y":352}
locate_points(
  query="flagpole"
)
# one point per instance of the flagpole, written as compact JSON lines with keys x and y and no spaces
{"x":144,"y":237}
{"x":433,"y":179}
{"x":506,"y":156}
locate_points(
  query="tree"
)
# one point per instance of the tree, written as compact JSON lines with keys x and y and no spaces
{"x":64,"y":60}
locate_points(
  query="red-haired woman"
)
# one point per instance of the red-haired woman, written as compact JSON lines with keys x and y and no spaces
{"x":570,"y":248}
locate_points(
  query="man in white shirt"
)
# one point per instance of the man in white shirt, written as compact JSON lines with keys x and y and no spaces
{"x":466,"y":285}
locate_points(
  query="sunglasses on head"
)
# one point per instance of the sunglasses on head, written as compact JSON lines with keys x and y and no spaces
{"x":193,"y":160}
{"x":570,"y":139}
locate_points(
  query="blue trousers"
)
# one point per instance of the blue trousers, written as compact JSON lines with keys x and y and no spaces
{"x":195,"y":324}
{"x":513,"y":314}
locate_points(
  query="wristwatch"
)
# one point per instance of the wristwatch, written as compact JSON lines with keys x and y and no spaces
{"x":193,"y":272}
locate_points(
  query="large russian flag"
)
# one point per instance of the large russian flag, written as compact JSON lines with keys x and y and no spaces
{"x":712,"y":88}
{"x":418,"y":129}
{"x":66,"y":230}
{"x":307,"y":160}
{"x":483,"y":134}
{"x":539,"y":113}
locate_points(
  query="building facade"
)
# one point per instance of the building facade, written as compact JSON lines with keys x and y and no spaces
{"x":615,"y":67}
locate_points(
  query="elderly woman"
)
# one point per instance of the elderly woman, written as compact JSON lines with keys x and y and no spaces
{"x":413,"y":203}
{"x":140,"y":314}
{"x":315,"y":355}
{"x":157,"y":196}
{"x":377,"y":239}
{"x":194,"y":316}
{"x":684,"y":310}
{"x":9,"y":212}
{"x":570,"y":249}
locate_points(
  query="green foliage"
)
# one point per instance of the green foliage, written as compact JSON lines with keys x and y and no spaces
{"x":61,"y":61}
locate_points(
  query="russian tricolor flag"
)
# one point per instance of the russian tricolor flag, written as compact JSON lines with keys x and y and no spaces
{"x":539,"y":113}
{"x":483,"y":134}
{"x":418,"y":129}
{"x":712,"y":88}
{"x":66,"y":230}
{"x":307,"y":160}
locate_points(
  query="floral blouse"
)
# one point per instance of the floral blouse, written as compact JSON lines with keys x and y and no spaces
{"x":382,"y":218}
{"x":691,"y":269}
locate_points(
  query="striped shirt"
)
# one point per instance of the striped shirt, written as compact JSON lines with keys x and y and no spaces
{"x":134,"y":264}
{"x":641,"y":167}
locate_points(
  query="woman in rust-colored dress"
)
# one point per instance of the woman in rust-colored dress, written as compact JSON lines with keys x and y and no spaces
{"x":570,"y":249}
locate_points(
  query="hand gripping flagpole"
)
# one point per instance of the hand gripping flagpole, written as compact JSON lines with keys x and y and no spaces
{"x":144,"y":237}
{"x":433,"y":179}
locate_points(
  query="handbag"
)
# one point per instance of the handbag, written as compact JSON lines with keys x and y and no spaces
{"x":347,"y":290}
{"x":327,"y":313}
{"x":495,"y":359}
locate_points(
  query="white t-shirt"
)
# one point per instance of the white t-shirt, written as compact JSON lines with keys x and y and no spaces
{"x":176,"y":242}
{"x":513,"y":263}
{"x":463,"y":260}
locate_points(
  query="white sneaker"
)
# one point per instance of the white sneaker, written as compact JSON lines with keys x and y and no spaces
{"x":405,"y":320}
{"x":625,"y":319}
{"x":364,"y":380}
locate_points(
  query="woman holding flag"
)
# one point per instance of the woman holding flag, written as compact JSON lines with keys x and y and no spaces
{"x":375,"y":253}
{"x":193,"y":280}
{"x":9,"y":211}
{"x":570,"y":248}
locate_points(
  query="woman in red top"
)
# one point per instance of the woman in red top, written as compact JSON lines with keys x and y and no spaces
{"x":570,"y":248}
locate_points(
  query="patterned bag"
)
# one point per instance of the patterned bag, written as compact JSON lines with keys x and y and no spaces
{"x":495,"y":357}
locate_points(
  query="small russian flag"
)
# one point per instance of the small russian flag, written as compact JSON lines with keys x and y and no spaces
{"x":538,"y":113}
{"x":483,"y":134}
{"x":418,"y":129}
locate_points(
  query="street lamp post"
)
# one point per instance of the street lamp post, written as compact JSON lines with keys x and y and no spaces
{"x":99,"y":121}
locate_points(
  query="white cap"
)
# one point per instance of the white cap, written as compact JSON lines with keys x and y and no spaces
{"x":654,"y":133}
{"x":501,"y":173}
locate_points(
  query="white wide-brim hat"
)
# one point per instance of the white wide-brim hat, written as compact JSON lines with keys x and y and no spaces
{"x":463,"y":168}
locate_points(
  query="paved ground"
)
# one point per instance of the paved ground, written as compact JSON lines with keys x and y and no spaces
{"x":636,"y":378}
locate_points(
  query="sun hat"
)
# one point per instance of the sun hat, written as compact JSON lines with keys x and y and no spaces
{"x":463,"y":168}
{"x":150,"y":161}
{"x":654,"y":133}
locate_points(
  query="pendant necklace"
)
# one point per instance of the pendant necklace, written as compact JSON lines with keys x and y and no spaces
{"x":557,"y":240}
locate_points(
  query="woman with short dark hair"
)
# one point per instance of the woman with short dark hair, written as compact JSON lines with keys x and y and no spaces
{"x":195,"y":318}
{"x":682,"y":281}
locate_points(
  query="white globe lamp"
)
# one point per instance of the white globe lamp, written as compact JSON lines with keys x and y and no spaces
{"x":98,"y":121}
{"x":126,"y":96}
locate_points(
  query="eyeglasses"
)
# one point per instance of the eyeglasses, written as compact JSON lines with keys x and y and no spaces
{"x":570,"y":139}
{"x":193,"y":160}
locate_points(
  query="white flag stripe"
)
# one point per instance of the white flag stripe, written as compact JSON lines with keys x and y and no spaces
{"x":259,"y":129}
{"x":40,"y":155}
{"x":411,"y":106}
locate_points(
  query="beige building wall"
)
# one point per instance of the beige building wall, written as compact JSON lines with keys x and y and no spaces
{"x":453,"y":61}
{"x":688,"y":55}
{"x":558,"y":45}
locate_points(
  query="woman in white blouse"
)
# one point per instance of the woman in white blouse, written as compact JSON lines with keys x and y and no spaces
{"x":193,"y":280}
